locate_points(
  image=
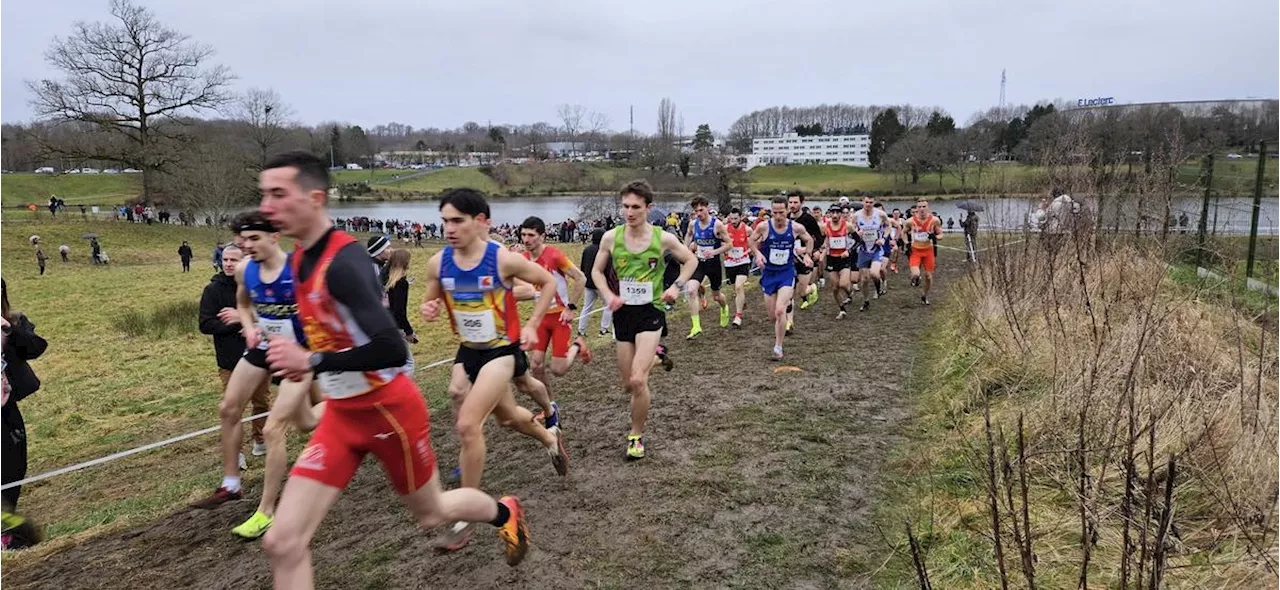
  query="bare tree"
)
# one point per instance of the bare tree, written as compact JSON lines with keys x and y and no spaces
{"x":136,"y":78}
{"x":268,"y":118}
{"x":666,"y":120}
{"x":597,"y":125}
{"x":571,"y":115}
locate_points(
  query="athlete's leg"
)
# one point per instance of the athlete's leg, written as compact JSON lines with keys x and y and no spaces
{"x":490,"y":384}
{"x":877,"y":274}
{"x":432,"y":506}
{"x":691,"y":296}
{"x":643,"y":353}
{"x":515,"y":417}
{"x":564,"y":352}
{"x":739,"y":293}
{"x":245,"y":379}
{"x":538,"y":365}
{"x":260,"y":403}
{"x":303,"y":506}
{"x":778,"y":310}
{"x":293,"y":403}
{"x":536,"y":390}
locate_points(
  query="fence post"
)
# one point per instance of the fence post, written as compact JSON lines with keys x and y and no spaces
{"x":1207,"y":176}
{"x":1257,"y":207}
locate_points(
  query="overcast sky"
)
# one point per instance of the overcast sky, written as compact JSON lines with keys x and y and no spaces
{"x":428,"y":63}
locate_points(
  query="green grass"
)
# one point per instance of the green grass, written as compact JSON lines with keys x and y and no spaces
{"x":373,"y":176}
{"x":91,"y":189}
{"x":445,"y":178}
{"x":851,"y":179}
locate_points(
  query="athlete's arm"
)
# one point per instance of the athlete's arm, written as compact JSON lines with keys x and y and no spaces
{"x":362,"y":299}
{"x":753,"y":243}
{"x":601,"y":263}
{"x":432,"y":302}
{"x":244,"y":307}
{"x":722,"y":232}
{"x":804,"y":236}
{"x":577,"y":279}
{"x":516,"y":267}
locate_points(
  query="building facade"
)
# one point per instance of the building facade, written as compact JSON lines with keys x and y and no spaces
{"x":792,"y":148}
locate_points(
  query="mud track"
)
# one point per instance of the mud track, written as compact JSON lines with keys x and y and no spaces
{"x":753,"y":479}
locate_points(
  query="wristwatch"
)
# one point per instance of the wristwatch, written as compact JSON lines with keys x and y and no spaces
{"x":573,"y":307}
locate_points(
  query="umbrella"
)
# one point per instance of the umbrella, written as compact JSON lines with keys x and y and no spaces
{"x":658,"y":216}
{"x":89,"y":237}
{"x":971,"y":206}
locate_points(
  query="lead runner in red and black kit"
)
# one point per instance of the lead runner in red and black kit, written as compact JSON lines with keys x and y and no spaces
{"x":374,"y":407}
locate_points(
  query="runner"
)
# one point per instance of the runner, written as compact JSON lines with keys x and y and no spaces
{"x":835,"y":228}
{"x":778,"y":238}
{"x":556,"y":328}
{"x":373,"y":406}
{"x":922,"y":232}
{"x":737,"y":262}
{"x":804,"y":291}
{"x":899,"y":244}
{"x":266,"y":306}
{"x":886,"y":249}
{"x":870,"y":248}
{"x":638,"y":321}
{"x":707,"y":239}
{"x":472,"y":279}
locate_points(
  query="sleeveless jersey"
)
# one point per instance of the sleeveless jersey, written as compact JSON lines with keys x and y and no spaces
{"x":274,"y":303}
{"x":779,"y":247}
{"x":838,"y":239}
{"x":639,"y":274}
{"x":482,"y":308}
{"x":869,"y":230}
{"x":920,"y":232}
{"x":705,"y":237}
{"x":329,"y":326}
{"x":556,"y":263}
{"x":739,"y":246}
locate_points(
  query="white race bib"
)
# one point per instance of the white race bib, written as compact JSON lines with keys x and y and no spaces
{"x":704,"y":252}
{"x":779,"y":256}
{"x":736,"y":253}
{"x":340,"y":384}
{"x":636,"y":292}
{"x":271,"y":327}
{"x":476,"y":326}
{"x":919,"y":236}
{"x":839,"y":242}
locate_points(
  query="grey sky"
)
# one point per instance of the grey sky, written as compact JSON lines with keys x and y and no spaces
{"x":444,"y":63}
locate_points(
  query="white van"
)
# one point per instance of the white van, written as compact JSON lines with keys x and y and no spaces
{"x":45,"y":170}
{"x":354,"y":167}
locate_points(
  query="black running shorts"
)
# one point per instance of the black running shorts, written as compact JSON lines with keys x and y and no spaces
{"x":474,"y":359}
{"x":731,"y":273}
{"x":630,"y":320}
{"x":709,"y":269}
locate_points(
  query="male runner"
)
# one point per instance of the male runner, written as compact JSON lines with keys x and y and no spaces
{"x":556,"y":328}
{"x":922,"y":232}
{"x":804,"y":291}
{"x":837,"y":246}
{"x":899,"y":224}
{"x":266,"y":306}
{"x":737,"y":262}
{"x":707,"y":239}
{"x":635,"y":250}
{"x":886,"y":247}
{"x":472,"y":279}
{"x":373,"y":407}
{"x":774,"y":246}
{"x":870,"y":248}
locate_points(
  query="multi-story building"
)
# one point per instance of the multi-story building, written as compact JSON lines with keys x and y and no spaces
{"x":792,"y":148}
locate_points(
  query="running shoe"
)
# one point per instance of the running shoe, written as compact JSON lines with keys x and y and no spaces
{"x":724,"y":316}
{"x":457,"y":537}
{"x":635,"y":447}
{"x":790,"y":324}
{"x":553,"y":421}
{"x":515,"y":532}
{"x":665,"y":357}
{"x":259,"y":449}
{"x":255,"y":527}
{"x":813,"y":297}
{"x":805,"y":302}
{"x":219,"y":497}
{"x":693,"y":333}
{"x":559,"y":456}
{"x":915,"y":281}
{"x":604,"y":331}
{"x":584,"y":353}
{"x":924,"y":299}
{"x":840,"y":316}
{"x":737,"y":320}
{"x":777,"y":353}
{"x":19,"y":532}
{"x":848,"y":300}
{"x":865,"y":306}
{"x":666,"y":306}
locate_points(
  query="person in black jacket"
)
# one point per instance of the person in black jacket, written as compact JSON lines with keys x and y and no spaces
{"x":397,"y":288}
{"x":184,"y":252}
{"x":590,"y":293}
{"x":21,"y":344}
{"x":219,"y":318}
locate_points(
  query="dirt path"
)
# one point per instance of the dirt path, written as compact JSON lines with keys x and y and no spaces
{"x":753,"y":480}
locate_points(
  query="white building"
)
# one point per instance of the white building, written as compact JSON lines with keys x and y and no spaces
{"x":791,"y":148}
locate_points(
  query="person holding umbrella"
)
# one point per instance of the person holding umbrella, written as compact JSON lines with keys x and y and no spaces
{"x":970,"y":226}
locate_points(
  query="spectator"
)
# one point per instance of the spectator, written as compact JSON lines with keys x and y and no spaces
{"x":95,"y":254}
{"x":217,"y":257}
{"x":65,"y":251}
{"x":590,"y":293}
{"x":220,"y":318}
{"x":970,"y":226}
{"x":379,"y":248}
{"x":1182,"y":222}
{"x":184,"y":252}
{"x":21,"y":345}
{"x":397,"y":291}
{"x":40,"y":257}
{"x":951,"y":223}
{"x":84,"y":213}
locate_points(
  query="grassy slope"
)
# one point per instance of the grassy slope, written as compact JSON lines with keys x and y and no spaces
{"x":91,"y":189}
{"x":104,"y":391}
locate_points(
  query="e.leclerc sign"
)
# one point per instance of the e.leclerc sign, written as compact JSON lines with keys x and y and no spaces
{"x":1101,"y":101}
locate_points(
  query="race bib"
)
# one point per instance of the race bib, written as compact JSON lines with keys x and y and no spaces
{"x":272,"y":327}
{"x":636,"y":292}
{"x":340,"y":384}
{"x":778,"y":256}
{"x":476,"y":326}
{"x":704,"y":252}
{"x":919,"y":236}
{"x":737,"y":253}
{"x":839,"y":242}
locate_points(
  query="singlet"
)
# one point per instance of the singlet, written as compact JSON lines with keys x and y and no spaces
{"x":920,"y":235}
{"x":639,"y":273}
{"x":869,"y":229}
{"x":482,"y":308}
{"x":779,"y":248}
{"x":838,"y":239}
{"x":739,"y":246}
{"x":557,"y":264}
{"x":705,"y":238}
{"x":329,"y":326}
{"x":274,"y":303}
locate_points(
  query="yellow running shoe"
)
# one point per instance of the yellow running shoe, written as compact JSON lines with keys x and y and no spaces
{"x":694,"y":333}
{"x":724,"y":316}
{"x":255,"y":527}
{"x":635,"y":447}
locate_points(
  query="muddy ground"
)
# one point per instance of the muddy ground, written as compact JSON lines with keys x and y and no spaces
{"x":753,"y":479}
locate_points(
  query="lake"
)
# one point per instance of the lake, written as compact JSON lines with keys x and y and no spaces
{"x":1226,"y":214}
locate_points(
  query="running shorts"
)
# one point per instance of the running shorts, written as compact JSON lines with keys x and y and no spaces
{"x":709,"y":269}
{"x":838,"y":263}
{"x":630,"y":320}
{"x":887,"y":249}
{"x":774,"y":279}
{"x":474,"y":359}
{"x":866,"y":258}
{"x":554,"y":333}
{"x":801,"y":267}
{"x":391,"y":422}
{"x":923,"y":257}
{"x":731,"y":273}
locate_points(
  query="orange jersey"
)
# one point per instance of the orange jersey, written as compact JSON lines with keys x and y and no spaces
{"x":558,"y":265}
{"x":920,"y":232}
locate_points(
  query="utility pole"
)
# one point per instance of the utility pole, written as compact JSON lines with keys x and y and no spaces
{"x":1207,"y":176}
{"x":1257,"y":207}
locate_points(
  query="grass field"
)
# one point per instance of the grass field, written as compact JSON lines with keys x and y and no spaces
{"x":104,"y":391}
{"x":91,"y":189}
{"x":437,"y":181}
{"x":376,"y":176}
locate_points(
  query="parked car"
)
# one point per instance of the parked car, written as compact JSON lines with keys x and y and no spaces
{"x":354,"y":167}
{"x":46,"y":170}
{"x":111,"y":171}
{"x":90,"y":171}
{"x":1234,"y":156}
{"x":131,"y":171}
